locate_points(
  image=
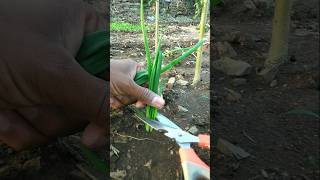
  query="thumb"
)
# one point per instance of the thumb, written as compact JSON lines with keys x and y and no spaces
{"x":147,"y":96}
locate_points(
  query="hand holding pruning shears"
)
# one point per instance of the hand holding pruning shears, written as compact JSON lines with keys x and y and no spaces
{"x":193,"y":167}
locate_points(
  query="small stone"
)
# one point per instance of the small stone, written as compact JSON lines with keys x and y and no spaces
{"x":148,"y":164}
{"x":193,"y":130}
{"x":225,"y":49}
{"x":182,"y":82}
{"x":232,"y":67}
{"x":273,"y":83}
{"x":171,"y":152}
{"x":238,"y":81}
{"x":151,"y":18}
{"x":182,"y":109}
{"x":264,"y":173}
{"x":230,"y":149}
{"x":119,"y":174}
{"x":171,"y":82}
{"x":249,"y":5}
{"x":128,"y":167}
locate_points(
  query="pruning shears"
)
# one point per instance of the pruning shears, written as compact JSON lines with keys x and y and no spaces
{"x":193,"y":167}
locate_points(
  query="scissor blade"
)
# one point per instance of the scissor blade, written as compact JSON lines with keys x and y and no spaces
{"x":159,"y":124}
{"x":164,"y":120}
{"x":162,"y":123}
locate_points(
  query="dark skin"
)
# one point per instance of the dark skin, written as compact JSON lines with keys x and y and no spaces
{"x":44,"y":92}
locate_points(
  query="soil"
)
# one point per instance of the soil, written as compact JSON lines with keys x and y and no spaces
{"x":282,"y":146}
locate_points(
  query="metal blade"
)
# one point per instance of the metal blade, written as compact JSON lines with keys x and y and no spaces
{"x":171,"y":130}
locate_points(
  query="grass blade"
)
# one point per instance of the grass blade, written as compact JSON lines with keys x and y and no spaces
{"x":304,"y":112}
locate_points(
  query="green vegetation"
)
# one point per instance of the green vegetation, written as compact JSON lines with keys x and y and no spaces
{"x":126,"y":27}
{"x":155,"y":69}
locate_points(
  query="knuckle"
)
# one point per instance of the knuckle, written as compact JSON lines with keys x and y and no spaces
{"x":145,"y":94}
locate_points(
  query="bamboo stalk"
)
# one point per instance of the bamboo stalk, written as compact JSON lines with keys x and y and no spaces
{"x":197,"y":72}
{"x":142,"y":76}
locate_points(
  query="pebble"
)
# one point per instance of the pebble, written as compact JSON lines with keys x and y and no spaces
{"x":148,"y":164}
{"x":119,"y":174}
{"x":232,"y":67}
{"x":182,"y":109}
{"x":249,"y":5}
{"x":274,"y":83}
{"x":171,"y":82}
{"x":182,"y":82}
{"x":193,"y":130}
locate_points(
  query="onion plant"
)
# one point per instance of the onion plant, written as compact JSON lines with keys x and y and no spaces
{"x":155,"y":68}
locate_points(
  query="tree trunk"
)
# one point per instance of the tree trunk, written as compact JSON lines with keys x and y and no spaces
{"x":278,"y":52}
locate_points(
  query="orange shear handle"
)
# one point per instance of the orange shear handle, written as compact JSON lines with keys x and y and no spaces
{"x":193,"y":167}
{"x":204,"y":141}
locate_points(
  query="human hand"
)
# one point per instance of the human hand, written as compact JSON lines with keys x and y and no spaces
{"x":44,"y":93}
{"x":123,"y":89}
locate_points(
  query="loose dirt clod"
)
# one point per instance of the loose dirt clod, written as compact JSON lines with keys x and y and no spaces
{"x":182,"y":109}
{"x":232,"y":67}
{"x":228,"y":148}
{"x":170,"y":83}
{"x":182,"y":82}
{"x":118,"y":175}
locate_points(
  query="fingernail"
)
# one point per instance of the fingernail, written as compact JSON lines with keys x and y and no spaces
{"x":158,"y":102}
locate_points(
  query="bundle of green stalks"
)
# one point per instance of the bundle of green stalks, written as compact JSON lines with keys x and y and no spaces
{"x":155,"y":68}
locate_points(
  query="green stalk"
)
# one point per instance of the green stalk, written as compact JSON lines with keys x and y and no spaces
{"x":197,"y":72}
{"x":142,"y":76}
{"x":151,"y":112}
{"x":171,"y":52}
{"x":145,"y":38}
{"x":183,"y":56}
